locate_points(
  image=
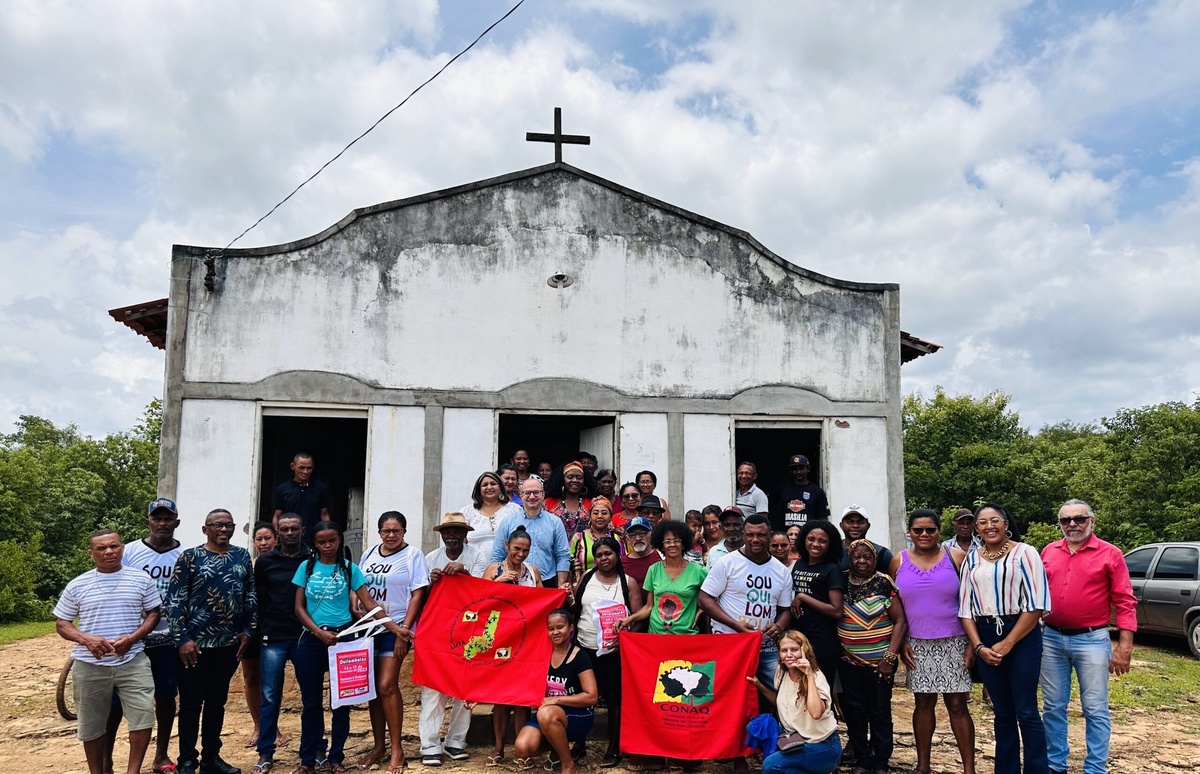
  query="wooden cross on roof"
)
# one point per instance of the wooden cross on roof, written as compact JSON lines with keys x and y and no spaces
{"x":558,"y":138}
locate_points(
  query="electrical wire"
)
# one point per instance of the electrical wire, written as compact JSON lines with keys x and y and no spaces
{"x":371,"y":128}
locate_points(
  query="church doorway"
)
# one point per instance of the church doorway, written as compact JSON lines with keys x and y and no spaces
{"x":338,"y":445}
{"x":557,"y":438}
{"x":769,"y":445}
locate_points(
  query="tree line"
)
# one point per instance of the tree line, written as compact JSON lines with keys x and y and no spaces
{"x":1139,"y":469}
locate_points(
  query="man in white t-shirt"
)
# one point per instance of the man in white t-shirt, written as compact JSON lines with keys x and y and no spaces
{"x":748,"y":591}
{"x":116,"y":607}
{"x":455,"y":557}
{"x":155,"y":555}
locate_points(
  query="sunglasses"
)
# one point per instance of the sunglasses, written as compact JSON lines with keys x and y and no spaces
{"x":924,"y":530}
{"x":1066,"y":520}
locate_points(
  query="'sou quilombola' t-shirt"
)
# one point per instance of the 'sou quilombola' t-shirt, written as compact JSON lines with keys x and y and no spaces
{"x":392,"y":579}
{"x":327,"y":592}
{"x":749,"y":592}
{"x":158,"y":565}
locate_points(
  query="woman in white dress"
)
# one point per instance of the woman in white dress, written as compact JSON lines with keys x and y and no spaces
{"x":489,"y":506}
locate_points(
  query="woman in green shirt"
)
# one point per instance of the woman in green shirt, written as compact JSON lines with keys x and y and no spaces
{"x":672,"y":586}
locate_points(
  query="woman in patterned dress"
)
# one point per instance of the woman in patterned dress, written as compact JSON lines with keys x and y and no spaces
{"x":871,"y":631}
{"x":936,"y":651}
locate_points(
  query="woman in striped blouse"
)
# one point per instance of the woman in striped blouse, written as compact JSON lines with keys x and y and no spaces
{"x":1002,"y":596}
{"x":872,"y":631}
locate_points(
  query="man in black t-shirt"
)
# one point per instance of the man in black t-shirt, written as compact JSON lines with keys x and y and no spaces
{"x":303,"y":495}
{"x":799,"y":500}
{"x":278,"y":628}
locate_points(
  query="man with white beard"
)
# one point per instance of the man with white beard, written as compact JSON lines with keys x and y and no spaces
{"x":638,"y":553}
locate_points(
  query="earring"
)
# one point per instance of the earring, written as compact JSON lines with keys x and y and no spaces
{"x":1008,"y":533}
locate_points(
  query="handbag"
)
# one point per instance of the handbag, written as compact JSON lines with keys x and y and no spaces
{"x":352,"y":663}
{"x":789,"y":742}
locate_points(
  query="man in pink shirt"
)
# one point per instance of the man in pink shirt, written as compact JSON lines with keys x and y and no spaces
{"x":1087,"y":578}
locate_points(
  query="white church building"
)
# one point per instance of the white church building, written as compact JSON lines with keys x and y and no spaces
{"x":417,"y":343}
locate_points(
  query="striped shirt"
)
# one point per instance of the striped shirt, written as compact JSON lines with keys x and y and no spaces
{"x":866,"y":625}
{"x":109,"y":605}
{"x":1014,"y":584}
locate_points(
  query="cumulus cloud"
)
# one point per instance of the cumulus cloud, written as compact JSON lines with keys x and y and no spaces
{"x":1029,"y":175}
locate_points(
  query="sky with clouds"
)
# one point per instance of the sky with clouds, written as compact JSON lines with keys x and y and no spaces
{"x":1028,"y":172}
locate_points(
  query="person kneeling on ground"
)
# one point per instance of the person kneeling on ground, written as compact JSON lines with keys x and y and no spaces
{"x":566,"y":714}
{"x":801,"y":697}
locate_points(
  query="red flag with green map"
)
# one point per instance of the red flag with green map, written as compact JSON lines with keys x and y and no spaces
{"x":686,"y":696}
{"x":484,"y":641}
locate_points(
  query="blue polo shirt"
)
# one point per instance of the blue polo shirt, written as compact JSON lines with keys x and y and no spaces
{"x":549,"y":551}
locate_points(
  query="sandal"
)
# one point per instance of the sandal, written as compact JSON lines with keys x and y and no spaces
{"x":166,"y":768}
{"x":495,"y":760}
{"x":337,"y":768}
{"x":263,"y":768}
{"x":302,"y":769}
{"x":523,"y":764}
{"x":401,"y":769}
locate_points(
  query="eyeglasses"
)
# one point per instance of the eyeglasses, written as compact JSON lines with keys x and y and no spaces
{"x":989,"y":522}
{"x":672,"y":542}
{"x":391,"y":531}
{"x":1067,"y":520}
{"x":631,"y":496}
{"x":222,"y":525}
{"x":923,"y":530}
{"x":532,"y":493}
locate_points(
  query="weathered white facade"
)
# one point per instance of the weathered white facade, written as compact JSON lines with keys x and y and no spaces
{"x":431,"y":317}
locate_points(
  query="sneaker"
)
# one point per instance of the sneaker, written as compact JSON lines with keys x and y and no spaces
{"x":431,"y":760}
{"x":457,"y":753}
{"x":218,"y":766}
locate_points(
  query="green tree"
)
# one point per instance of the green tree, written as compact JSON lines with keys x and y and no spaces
{"x":56,"y":487}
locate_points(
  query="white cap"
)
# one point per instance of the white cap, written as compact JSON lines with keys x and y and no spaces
{"x":856,"y":509}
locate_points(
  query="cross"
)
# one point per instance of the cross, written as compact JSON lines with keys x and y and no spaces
{"x":558,"y":138}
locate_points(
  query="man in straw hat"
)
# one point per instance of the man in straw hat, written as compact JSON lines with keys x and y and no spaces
{"x":454,"y":557}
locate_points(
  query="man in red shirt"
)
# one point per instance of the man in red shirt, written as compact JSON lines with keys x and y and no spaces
{"x":1087,"y":577}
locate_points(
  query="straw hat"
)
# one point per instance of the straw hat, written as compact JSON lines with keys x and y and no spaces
{"x":455,"y":519}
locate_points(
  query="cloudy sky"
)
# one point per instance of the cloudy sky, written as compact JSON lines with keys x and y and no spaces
{"x":1029,"y":172}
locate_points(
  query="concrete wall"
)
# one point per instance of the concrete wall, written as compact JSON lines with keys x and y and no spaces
{"x":218,"y":450}
{"x":413,"y":297}
{"x":856,"y":474}
{"x":643,"y":446}
{"x":395,"y":468}
{"x":707,"y":461}
{"x":468,"y":449}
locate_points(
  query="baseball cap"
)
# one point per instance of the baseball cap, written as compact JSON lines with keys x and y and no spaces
{"x":964,"y":513}
{"x":797,"y":460}
{"x":732,"y":509}
{"x":638,"y":522}
{"x":163,"y":504}
{"x":855,"y":509}
{"x":652,"y":502}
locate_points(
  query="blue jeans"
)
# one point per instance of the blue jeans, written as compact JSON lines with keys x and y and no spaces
{"x":311,"y":660}
{"x":812,"y":758}
{"x":1013,"y":686}
{"x":1089,"y":655}
{"x":273,"y":659}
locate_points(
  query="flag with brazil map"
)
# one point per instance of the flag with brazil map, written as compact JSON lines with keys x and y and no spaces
{"x":485,"y":641}
{"x":687,"y":696}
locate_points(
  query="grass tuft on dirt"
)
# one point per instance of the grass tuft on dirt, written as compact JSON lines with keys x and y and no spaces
{"x":10,"y":633}
{"x":1160,"y":678}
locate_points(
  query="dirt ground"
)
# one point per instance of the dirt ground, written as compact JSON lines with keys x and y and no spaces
{"x":36,"y":739}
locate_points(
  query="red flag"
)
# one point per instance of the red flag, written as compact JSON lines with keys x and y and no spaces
{"x":686,"y":696}
{"x":485,"y":641}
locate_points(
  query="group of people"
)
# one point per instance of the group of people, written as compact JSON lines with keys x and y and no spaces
{"x":836,"y":612}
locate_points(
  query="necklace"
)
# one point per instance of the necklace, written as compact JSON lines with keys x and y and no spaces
{"x":860,"y":582}
{"x":992,"y":556}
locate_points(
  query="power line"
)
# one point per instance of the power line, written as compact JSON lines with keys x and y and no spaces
{"x":371,"y":128}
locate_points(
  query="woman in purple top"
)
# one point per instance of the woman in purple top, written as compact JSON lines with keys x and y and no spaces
{"x":936,"y":650}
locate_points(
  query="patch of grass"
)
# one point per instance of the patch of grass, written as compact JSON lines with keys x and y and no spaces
{"x":10,"y":633}
{"x":1160,"y":677}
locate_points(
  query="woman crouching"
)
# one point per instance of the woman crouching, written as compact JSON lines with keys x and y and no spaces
{"x":802,"y":702}
{"x":565,"y":715}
